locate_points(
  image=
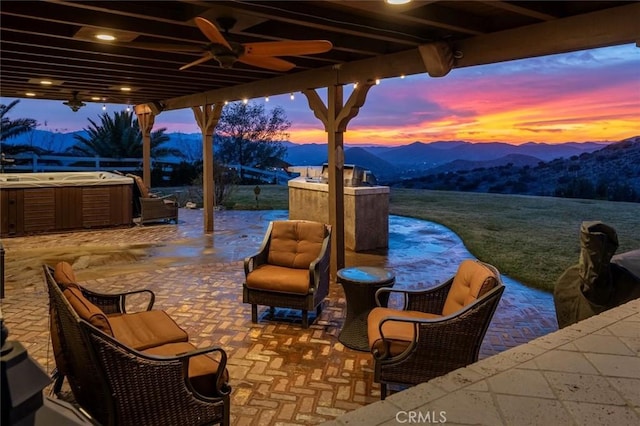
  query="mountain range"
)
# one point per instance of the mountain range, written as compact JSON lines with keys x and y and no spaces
{"x":386,"y":163}
{"x":611,"y":173}
{"x":391,"y":163}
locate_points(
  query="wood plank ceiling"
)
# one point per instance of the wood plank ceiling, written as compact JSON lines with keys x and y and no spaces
{"x":53,"y":40}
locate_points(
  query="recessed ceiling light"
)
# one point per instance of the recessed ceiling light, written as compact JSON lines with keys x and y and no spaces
{"x":30,"y":94}
{"x":105,"y":37}
{"x":45,"y":81}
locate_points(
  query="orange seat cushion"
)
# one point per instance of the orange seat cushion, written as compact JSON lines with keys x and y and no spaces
{"x":87,"y":310}
{"x":202,"y":368}
{"x":295,"y":244}
{"x":472,"y":280}
{"x":398,"y":334}
{"x":142,"y":330}
{"x":279,"y":279}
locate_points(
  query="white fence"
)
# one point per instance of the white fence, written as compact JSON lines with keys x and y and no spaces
{"x":59,"y":163}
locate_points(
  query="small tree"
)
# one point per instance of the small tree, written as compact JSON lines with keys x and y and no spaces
{"x":249,"y":136}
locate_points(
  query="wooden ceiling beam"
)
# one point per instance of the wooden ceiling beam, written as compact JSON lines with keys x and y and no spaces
{"x":521,"y":10}
{"x":597,"y":29}
{"x":591,"y":30}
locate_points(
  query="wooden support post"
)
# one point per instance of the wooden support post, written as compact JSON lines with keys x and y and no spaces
{"x":336,"y":116}
{"x":146,"y":119}
{"x":207,"y":118}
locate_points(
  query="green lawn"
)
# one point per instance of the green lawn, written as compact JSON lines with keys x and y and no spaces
{"x":531,"y":239}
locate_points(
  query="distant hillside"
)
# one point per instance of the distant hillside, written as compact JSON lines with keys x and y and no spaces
{"x":381,"y":169}
{"x":611,"y":173}
{"x":513,"y":159}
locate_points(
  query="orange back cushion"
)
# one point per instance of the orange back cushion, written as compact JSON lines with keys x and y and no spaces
{"x":472,"y":280}
{"x":63,"y":273}
{"x":295,"y":244}
{"x":87,"y":310}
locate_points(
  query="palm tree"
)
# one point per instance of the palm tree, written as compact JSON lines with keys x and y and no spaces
{"x":12,"y":128}
{"x":119,"y":137}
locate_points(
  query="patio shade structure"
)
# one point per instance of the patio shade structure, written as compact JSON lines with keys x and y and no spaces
{"x":55,"y":41}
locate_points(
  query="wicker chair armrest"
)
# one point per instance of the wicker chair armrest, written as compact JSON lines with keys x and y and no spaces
{"x":253,"y":261}
{"x":222,"y":388}
{"x":319,"y":267}
{"x":116,"y":303}
{"x":429,"y":300}
{"x":434,"y":325}
{"x":170,"y":197}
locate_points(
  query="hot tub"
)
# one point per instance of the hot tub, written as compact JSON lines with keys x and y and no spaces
{"x":32,"y":203}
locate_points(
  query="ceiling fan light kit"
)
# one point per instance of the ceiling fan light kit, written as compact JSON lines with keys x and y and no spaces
{"x":74,"y":103}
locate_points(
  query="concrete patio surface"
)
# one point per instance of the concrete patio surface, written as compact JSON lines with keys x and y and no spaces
{"x":585,"y":374}
{"x":280,"y":373}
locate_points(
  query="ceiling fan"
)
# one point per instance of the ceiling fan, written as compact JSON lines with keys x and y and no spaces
{"x":258,"y":54}
{"x":74,"y":103}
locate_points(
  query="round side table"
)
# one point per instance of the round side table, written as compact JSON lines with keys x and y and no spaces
{"x":360,"y":284}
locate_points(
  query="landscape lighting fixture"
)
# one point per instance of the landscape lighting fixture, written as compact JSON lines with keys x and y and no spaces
{"x":104,"y":107}
{"x":266,"y":99}
{"x":292,"y":97}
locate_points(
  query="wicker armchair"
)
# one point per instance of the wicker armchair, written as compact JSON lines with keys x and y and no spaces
{"x":438,"y":330}
{"x":291,"y":269}
{"x":118,"y":385}
{"x":152,"y":207}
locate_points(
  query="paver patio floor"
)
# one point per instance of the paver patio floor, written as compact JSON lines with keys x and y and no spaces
{"x":280,"y":373}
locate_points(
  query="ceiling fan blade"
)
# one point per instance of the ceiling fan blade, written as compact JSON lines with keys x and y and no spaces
{"x":267,"y":62}
{"x":205,"y":58}
{"x":287,"y":48}
{"x":165,"y":47}
{"x":212,"y":32}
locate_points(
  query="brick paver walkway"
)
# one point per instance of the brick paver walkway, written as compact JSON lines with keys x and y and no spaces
{"x":280,"y":373}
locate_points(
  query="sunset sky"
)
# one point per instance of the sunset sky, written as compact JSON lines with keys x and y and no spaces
{"x":591,"y":95}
